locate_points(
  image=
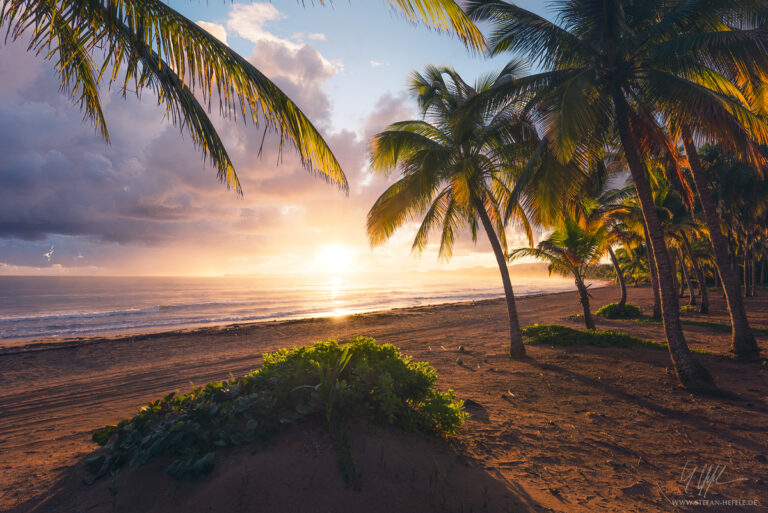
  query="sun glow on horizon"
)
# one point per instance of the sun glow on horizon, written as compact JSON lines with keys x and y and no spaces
{"x":336,"y":259}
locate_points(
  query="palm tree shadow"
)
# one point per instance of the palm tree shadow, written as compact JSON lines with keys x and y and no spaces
{"x":721,"y":428}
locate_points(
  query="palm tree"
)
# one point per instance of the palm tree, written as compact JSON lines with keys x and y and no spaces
{"x":741,"y":193}
{"x":675,"y":219}
{"x":608,"y":209}
{"x":611,"y":68}
{"x":570,"y":250}
{"x":146,"y":44}
{"x":697,"y":268}
{"x":726,"y":93}
{"x":634,"y":222}
{"x":633,"y":263}
{"x":455,"y":167}
{"x":619,"y":277}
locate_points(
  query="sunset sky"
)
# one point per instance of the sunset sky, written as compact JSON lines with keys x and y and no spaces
{"x":148,"y":205}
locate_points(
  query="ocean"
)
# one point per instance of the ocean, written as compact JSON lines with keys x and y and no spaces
{"x":40,"y":309}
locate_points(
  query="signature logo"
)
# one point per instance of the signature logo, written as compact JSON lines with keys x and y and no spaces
{"x":701,"y":479}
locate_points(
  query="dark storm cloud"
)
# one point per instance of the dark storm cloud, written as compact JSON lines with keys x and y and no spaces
{"x":59,"y":180}
{"x":57,"y":176}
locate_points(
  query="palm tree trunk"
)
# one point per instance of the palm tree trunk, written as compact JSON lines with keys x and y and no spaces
{"x":752,"y":279}
{"x":584,"y":298}
{"x":690,"y":372}
{"x":676,"y":284}
{"x":704,"y":303}
{"x":743,"y":343}
{"x":744,"y":270}
{"x":620,"y":277}
{"x":654,"y":275}
{"x":687,"y":278}
{"x":516,"y":347}
{"x":748,"y":271}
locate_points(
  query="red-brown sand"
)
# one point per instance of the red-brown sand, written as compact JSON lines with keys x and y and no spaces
{"x":568,"y":429}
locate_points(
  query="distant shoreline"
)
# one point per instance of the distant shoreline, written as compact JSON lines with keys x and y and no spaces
{"x":53,"y":344}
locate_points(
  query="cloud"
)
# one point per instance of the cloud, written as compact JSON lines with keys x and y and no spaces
{"x":147,"y":203}
{"x":149,"y":193}
{"x":248,"y":20}
{"x":216,"y":30}
{"x":298,"y":68}
{"x":317,"y":37}
{"x":376,"y":64}
{"x":301,"y":74}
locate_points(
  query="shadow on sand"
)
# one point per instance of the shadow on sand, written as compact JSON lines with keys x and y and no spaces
{"x":299,"y":472}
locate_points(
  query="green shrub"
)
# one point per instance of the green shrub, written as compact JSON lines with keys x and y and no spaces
{"x":325,"y":382}
{"x":557,"y":335}
{"x":613,"y":311}
{"x":685,"y":309}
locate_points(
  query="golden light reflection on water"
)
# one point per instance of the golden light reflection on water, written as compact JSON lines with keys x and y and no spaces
{"x":335,"y":286}
{"x":336,"y":306}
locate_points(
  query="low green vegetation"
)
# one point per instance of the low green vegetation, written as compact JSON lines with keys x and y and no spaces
{"x":614,"y":311}
{"x":724,"y":328}
{"x":686,"y":309}
{"x":600,"y":272}
{"x":326,"y":382}
{"x":557,"y":335}
{"x":714,"y":326}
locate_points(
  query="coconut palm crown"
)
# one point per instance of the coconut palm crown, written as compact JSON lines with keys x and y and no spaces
{"x":457,"y":165}
{"x":569,"y":251}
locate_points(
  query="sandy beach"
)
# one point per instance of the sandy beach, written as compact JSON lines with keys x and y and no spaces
{"x":574,"y":429}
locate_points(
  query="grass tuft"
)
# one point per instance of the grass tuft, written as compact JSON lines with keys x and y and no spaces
{"x":613,"y":311}
{"x":557,"y":335}
{"x":326,"y":382}
{"x":714,"y":326}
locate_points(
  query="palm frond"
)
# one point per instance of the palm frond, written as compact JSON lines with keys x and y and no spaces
{"x":125,"y":29}
{"x":445,"y":15}
{"x":403,"y":200}
{"x":432,"y":219}
{"x":518,"y":30}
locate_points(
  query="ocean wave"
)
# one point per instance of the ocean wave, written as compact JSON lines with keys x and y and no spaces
{"x":211,"y":312}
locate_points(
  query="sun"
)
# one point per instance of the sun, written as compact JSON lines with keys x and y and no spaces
{"x":336,"y":259}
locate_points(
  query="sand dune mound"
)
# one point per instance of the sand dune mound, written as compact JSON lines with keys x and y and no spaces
{"x":300,"y":472}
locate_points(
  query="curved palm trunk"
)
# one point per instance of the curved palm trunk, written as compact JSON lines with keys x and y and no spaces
{"x":745,"y":270}
{"x":752,"y":280}
{"x":584,"y":298}
{"x":753,"y":265}
{"x":681,"y":281}
{"x":686,"y":277}
{"x":516,"y":347}
{"x":704,"y":303}
{"x":676,"y":284}
{"x":743,"y":343}
{"x":654,"y":275}
{"x":691,"y":373}
{"x":620,"y":277}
